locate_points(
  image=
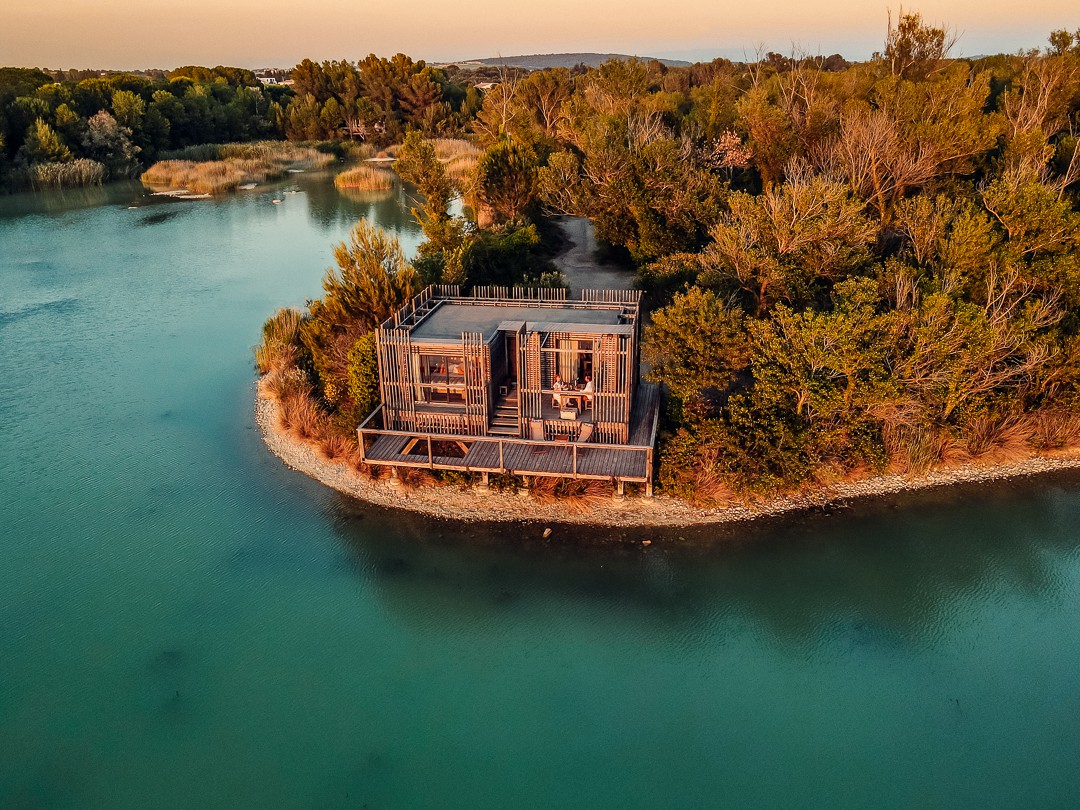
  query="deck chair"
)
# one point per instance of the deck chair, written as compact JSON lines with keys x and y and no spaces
{"x":586,"y":432}
{"x":536,"y":430}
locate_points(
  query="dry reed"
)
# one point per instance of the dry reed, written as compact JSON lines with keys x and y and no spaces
{"x":70,"y":174}
{"x":576,"y":496}
{"x":334,"y":448}
{"x":299,"y":416}
{"x":999,"y":441}
{"x":1055,"y":430}
{"x":365,"y":178}
{"x":412,"y":478}
{"x":213,"y":169}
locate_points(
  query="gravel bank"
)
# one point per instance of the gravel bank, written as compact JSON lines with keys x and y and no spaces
{"x":457,"y":503}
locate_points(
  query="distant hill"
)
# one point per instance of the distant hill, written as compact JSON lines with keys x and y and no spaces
{"x":539,"y":61}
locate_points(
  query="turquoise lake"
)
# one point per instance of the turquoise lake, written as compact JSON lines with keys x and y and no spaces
{"x":184,"y":622}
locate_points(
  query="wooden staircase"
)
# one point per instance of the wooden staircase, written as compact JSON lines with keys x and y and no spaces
{"x":505,"y":420}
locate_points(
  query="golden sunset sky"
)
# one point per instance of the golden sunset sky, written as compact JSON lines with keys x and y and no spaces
{"x":254,"y":33}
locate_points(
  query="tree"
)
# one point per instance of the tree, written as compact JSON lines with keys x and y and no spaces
{"x":696,"y":343}
{"x":506,"y":180}
{"x":110,"y":144}
{"x":418,"y":164}
{"x":780,"y":245}
{"x":371,"y":281}
{"x":914,"y":49}
{"x":128,"y":109}
{"x":43,"y":145}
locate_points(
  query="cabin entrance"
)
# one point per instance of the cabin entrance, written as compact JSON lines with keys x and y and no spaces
{"x":511,"y":359}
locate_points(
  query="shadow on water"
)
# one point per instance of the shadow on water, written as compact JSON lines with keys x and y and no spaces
{"x":123,"y":192}
{"x":885,"y":571}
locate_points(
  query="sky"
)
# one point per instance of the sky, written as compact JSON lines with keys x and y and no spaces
{"x":124,"y":35}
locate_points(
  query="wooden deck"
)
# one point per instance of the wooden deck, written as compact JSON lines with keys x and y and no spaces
{"x":491,"y":454}
{"x":516,"y":456}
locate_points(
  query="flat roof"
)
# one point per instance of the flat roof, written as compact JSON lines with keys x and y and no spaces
{"x":449,"y":320}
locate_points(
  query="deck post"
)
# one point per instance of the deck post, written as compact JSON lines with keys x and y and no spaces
{"x":394,"y":481}
{"x":524,"y":489}
{"x":430,"y":458}
{"x":620,"y":491}
{"x":573,"y":449}
{"x":484,"y":484}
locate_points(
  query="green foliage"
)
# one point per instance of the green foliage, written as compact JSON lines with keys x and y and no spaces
{"x":110,"y":144}
{"x":787,"y":243}
{"x":695,"y":344}
{"x":371,"y":281}
{"x":151,"y":114}
{"x":506,"y":180}
{"x":506,"y":256}
{"x":43,"y":145}
{"x":363,"y":375}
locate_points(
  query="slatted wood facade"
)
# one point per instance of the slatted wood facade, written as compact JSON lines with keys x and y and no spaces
{"x":527,"y":355}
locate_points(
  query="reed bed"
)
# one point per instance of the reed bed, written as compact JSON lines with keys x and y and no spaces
{"x":365,"y":178}
{"x":217,"y":168}
{"x":70,"y":174}
{"x":357,"y":151}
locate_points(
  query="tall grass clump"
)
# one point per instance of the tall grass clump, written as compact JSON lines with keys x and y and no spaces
{"x":365,"y":178}
{"x":69,"y":174}
{"x":280,"y":347}
{"x":577,"y":496}
{"x":1055,"y":430}
{"x":458,"y":156}
{"x":354,"y":151}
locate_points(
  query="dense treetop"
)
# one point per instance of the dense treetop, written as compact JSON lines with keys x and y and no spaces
{"x":853,"y":267}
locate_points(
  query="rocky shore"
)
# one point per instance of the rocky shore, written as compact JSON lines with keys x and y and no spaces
{"x":469,"y":504}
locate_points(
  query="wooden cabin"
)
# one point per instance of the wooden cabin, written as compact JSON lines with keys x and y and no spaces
{"x":512,"y":380}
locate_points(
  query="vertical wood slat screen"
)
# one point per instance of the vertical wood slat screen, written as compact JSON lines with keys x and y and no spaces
{"x":529,"y":398}
{"x":477,"y":371}
{"x":393,"y":348}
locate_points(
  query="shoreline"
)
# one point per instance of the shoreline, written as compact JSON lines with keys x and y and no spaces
{"x":469,"y":505}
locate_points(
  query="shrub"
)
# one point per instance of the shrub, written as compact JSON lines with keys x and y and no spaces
{"x":1055,"y":430}
{"x":334,"y":448}
{"x":363,"y":375}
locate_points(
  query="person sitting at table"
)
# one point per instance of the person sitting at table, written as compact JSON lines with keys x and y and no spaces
{"x":557,"y":385}
{"x":587,"y":390}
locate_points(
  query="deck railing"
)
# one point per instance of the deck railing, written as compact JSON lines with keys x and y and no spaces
{"x":620,"y":461}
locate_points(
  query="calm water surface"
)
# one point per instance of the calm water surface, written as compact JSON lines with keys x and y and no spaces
{"x":186,"y":623}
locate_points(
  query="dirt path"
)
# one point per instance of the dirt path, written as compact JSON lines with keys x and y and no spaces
{"x":578,"y":262}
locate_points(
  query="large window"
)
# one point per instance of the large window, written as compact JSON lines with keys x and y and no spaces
{"x":442,"y":378}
